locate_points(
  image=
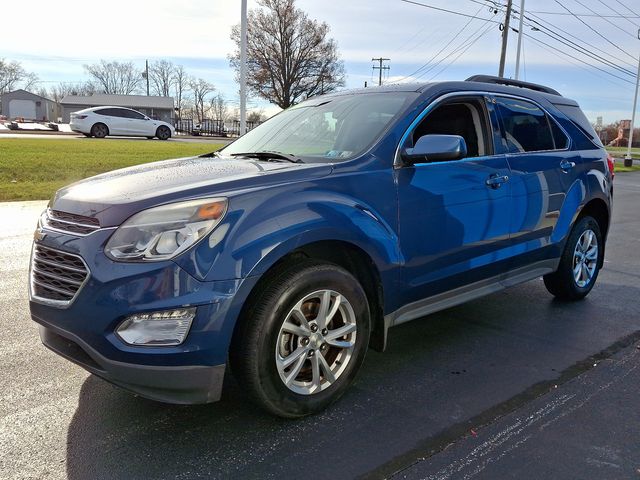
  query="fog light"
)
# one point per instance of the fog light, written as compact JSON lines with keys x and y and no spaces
{"x":165,"y":328}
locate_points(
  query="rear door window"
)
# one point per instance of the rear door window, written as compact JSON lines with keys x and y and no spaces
{"x":526,"y":127}
{"x":132,"y":114}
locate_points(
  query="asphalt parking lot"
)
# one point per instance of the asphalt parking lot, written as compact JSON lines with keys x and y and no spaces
{"x":514,"y":385}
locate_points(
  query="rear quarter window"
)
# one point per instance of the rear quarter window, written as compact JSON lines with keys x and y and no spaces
{"x":579,"y":119}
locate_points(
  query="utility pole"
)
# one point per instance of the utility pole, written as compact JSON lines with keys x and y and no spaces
{"x":145,"y":74}
{"x":243,"y":68}
{"x":505,"y":37}
{"x":381,"y":67}
{"x":628,"y":159}
{"x":519,"y":40}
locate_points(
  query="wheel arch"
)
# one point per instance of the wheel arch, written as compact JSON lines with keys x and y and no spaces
{"x":347,"y":255}
{"x":597,"y":209}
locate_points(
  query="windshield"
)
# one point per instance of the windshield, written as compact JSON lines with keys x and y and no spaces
{"x":334,"y":128}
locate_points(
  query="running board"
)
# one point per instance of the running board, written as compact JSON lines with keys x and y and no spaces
{"x":468,"y":292}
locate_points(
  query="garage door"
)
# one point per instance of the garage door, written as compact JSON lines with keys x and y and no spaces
{"x":22,"y":108}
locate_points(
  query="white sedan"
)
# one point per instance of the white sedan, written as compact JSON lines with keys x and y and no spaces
{"x":102,"y":121}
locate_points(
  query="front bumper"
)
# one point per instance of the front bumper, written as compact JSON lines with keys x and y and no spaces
{"x":170,"y":384}
{"x":84,"y":331}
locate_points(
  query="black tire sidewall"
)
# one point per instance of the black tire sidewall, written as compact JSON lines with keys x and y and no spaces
{"x":585,"y":223}
{"x":276,"y":395}
{"x":97,"y":126}
{"x":159,"y":133}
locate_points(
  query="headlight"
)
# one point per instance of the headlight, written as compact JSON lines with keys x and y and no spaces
{"x":161,"y":233}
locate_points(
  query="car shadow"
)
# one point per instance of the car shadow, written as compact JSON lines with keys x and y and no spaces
{"x":436,"y":373}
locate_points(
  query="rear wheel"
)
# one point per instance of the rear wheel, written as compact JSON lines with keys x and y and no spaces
{"x":163,"y":132}
{"x":580,"y":262}
{"x":302,"y":339}
{"x":99,"y":130}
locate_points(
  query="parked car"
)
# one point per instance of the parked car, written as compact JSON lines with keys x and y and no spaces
{"x":209,"y":127}
{"x":102,"y":121}
{"x":293,"y":249}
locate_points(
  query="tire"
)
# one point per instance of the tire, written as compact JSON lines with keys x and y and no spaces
{"x":88,"y":135}
{"x":163,"y":132}
{"x":262,"y":345}
{"x":99,"y":130}
{"x":578,"y":271}
{"x":150,"y":138}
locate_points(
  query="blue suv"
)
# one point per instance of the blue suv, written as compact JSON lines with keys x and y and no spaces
{"x":289,"y":252}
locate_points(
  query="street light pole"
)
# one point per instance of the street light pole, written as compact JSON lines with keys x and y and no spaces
{"x":628,"y":159}
{"x":519,"y":40}
{"x":243,"y":68}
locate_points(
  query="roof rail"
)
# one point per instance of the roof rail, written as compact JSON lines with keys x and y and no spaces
{"x":512,"y":83}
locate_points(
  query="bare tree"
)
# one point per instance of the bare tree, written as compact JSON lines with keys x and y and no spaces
{"x":116,"y":78}
{"x":58,"y":92}
{"x":290,"y":56}
{"x":256,"y":116}
{"x":13,"y":75}
{"x":201,"y":90}
{"x":181,"y":82}
{"x":162,"y":76}
{"x":219,"y":108}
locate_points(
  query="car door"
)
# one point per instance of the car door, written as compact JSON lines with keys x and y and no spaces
{"x":116,"y":121}
{"x":543,"y":168}
{"x":454,"y":216}
{"x":138,"y":123}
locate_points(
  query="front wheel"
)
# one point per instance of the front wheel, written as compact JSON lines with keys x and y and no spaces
{"x":580,"y":263}
{"x":302,"y":339}
{"x":163,"y":133}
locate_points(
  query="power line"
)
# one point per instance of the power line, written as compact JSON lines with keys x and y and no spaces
{"x":583,"y":14}
{"x":457,"y":49}
{"x":443,"y":9}
{"x":606,"y":19}
{"x":425,"y":65}
{"x":486,"y":30}
{"x":625,"y":6}
{"x":610,"y":7}
{"x":595,"y":31}
{"x":571,"y":35}
{"x":578,"y":59}
{"x":580,"y":49}
{"x":578,"y":62}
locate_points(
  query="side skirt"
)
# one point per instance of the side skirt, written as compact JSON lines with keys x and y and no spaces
{"x":466,"y":293}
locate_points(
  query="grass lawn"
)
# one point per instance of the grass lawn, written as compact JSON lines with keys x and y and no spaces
{"x":33,"y":169}
{"x":620,"y":152}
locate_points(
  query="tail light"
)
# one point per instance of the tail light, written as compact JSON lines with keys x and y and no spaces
{"x":611,"y":164}
{"x":79,"y":117}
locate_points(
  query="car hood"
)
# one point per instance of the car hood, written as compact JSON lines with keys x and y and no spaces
{"x":114,"y":196}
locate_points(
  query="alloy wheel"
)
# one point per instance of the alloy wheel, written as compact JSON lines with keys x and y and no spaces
{"x":316,"y":342}
{"x":585,"y":258}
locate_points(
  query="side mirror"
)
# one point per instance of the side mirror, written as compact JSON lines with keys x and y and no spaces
{"x":435,"y":148}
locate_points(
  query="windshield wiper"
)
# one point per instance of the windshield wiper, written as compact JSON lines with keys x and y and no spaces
{"x":269,"y":155}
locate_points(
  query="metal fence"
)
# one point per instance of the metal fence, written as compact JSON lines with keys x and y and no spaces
{"x":210,"y":127}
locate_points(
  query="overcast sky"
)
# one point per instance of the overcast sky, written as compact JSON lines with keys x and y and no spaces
{"x":55,"y":39}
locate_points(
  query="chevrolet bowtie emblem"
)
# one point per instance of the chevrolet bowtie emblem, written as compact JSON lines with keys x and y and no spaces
{"x":39,"y":235}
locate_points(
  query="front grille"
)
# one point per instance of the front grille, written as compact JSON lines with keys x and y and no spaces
{"x":70,"y":222}
{"x":56,"y":275}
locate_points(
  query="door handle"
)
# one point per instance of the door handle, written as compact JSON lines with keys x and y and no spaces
{"x":566,"y":165}
{"x":495,"y":181}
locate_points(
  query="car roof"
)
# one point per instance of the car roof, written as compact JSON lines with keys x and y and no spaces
{"x":93,"y":109}
{"x":473,"y":84}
